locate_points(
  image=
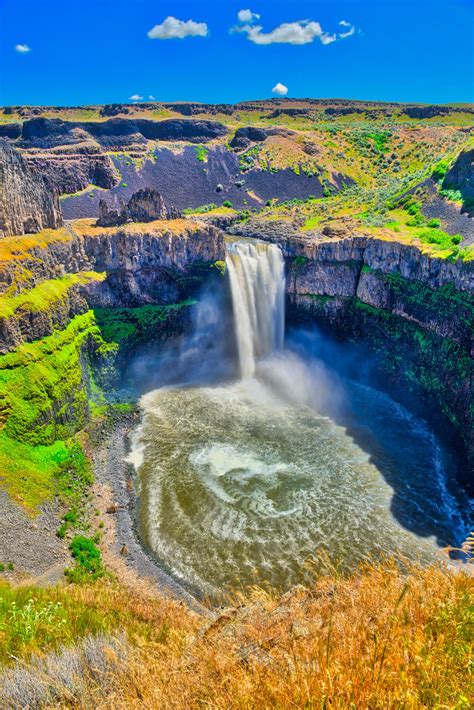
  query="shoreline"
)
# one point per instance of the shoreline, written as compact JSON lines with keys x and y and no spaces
{"x":114,"y":494}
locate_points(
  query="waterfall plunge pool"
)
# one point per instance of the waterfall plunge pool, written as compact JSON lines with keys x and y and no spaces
{"x":261,"y":478}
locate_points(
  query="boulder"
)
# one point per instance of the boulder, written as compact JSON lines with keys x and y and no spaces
{"x":247,"y":135}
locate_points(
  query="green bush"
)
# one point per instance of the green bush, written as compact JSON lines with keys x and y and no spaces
{"x":442,"y":239}
{"x":417,"y":221}
{"x":62,"y":530}
{"x":413,"y":208}
{"x":440,"y":171}
{"x":227,"y":203}
{"x":201,"y":153}
{"x":88,"y":560}
{"x":434,"y":223}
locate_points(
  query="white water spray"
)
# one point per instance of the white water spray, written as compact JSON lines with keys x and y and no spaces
{"x":257,"y":283}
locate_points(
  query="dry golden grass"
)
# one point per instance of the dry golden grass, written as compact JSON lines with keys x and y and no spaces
{"x":21,"y":247}
{"x":87,"y":227}
{"x":378,"y":639}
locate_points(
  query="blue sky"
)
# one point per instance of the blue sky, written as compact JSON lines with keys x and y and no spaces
{"x":100,"y":51}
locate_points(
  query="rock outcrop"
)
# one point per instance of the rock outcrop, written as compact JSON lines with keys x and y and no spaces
{"x":144,"y":206}
{"x":73,"y":168}
{"x":244,"y":137}
{"x":117,"y":132}
{"x":247,"y":135}
{"x":81,"y":298}
{"x":461,"y":175}
{"x":26,"y":203}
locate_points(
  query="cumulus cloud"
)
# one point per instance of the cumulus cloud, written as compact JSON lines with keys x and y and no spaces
{"x":301,"y":32}
{"x":171,"y":28}
{"x":247,"y":16}
{"x":22,"y":48}
{"x":280,"y":89}
{"x":135,"y":97}
{"x":151,"y":97}
{"x":298,"y":32}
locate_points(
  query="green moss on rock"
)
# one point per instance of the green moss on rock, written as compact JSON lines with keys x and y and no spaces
{"x":129,"y":326}
{"x":43,"y":395}
{"x":44,"y":296}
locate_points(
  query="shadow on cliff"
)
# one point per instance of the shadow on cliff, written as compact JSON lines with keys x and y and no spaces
{"x":421,"y":470}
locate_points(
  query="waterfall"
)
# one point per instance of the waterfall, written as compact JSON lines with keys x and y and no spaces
{"x":257,"y":283}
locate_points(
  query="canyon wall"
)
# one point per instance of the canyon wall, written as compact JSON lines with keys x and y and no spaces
{"x":414,"y":314}
{"x":75,"y":302}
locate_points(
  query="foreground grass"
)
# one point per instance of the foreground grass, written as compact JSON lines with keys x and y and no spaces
{"x":377,"y":639}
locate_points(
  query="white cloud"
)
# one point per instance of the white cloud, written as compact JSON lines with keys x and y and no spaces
{"x":280,"y":89}
{"x":152,"y":98}
{"x":298,"y":33}
{"x":301,"y":32}
{"x":326,"y":38}
{"x":247,"y":16}
{"x":350,"y":31}
{"x":171,"y":28}
{"x":22,"y":48}
{"x":135,"y":97}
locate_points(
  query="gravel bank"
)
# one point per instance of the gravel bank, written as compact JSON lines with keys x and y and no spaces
{"x":31,"y":543}
{"x":115,"y":499}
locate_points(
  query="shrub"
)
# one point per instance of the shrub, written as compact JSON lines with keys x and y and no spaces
{"x":442,"y":239}
{"x":200,"y":210}
{"x":440,"y":170}
{"x":88,"y":560}
{"x":227,"y":203}
{"x":61,"y":531}
{"x":70,"y":517}
{"x":452,"y":195}
{"x":434,"y":223}
{"x":221,"y":267}
{"x":413,"y":208}
{"x":417,"y":221}
{"x":201,"y":153}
